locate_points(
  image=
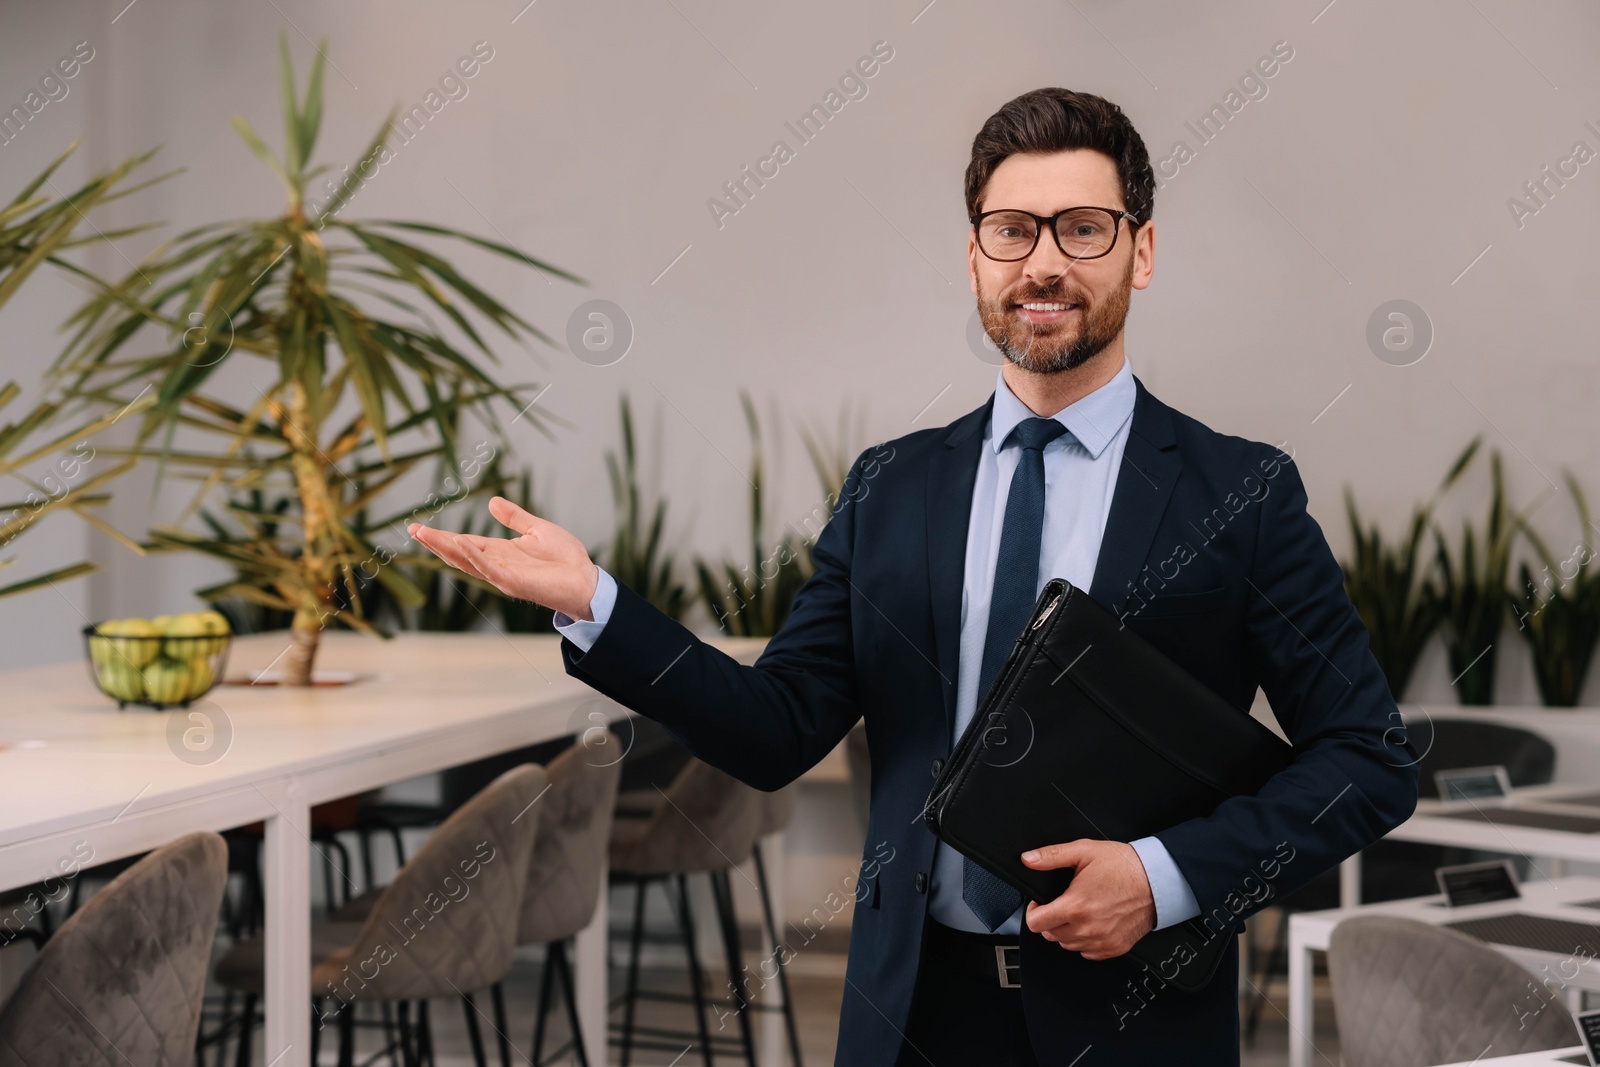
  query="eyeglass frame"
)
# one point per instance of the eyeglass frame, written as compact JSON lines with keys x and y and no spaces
{"x":1041,"y":221}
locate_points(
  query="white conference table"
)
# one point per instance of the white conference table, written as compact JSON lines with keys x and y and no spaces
{"x":1574,"y":834}
{"x":78,"y":775}
{"x":1556,"y":1057}
{"x":1574,"y":837}
{"x":1309,"y":932}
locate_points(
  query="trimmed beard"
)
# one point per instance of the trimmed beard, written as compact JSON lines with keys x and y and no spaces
{"x":1040,"y":349}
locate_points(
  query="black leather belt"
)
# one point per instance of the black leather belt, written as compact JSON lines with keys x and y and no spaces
{"x":994,"y":957}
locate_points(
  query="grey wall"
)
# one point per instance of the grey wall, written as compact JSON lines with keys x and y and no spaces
{"x":1377,"y":166}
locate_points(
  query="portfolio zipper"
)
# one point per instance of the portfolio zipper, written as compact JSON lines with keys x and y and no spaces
{"x":1045,"y":614}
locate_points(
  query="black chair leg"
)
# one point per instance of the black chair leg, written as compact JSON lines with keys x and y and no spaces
{"x":789,"y":1021}
{"x":390,"y":1040}
{"x":569,"y":991}
{"x":247,"y":1023}
{"x":316,"y":1027}
{"x":408,"y":1052}
{"x":347,"y":1035}
{"x":546,"y":989}
{"x":738,"y":980}
{"x":469,"y":1008}
{"x":223,"y":1022}
{"x":1258,"y":992}
{"x":696,"y":985}
{"x":631,"y":998}
{"x":424,"y":1033}
{"x":497,"y":997}
{"x":364,"y":837}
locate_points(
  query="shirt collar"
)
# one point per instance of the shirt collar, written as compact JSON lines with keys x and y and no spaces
{"x":1094,"y":420}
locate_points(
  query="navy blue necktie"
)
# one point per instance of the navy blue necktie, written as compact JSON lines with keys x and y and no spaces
{"x":1016,"y":580}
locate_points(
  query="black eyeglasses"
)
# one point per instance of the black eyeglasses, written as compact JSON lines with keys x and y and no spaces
{"x":1081,"y":232}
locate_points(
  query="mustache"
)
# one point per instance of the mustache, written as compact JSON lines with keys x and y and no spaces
{"x":1051,"y":296}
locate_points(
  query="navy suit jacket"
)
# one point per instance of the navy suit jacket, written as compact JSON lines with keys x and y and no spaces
{"x":1208,"y":552}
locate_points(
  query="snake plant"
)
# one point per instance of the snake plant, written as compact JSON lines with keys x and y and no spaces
{"x":1561,"y":624}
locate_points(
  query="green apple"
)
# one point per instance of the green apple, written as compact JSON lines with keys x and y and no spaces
{"x":200,"y":677}
{"x":195,"y":633}
{"x":121,"y":679}
{"x":167,"y":681}
{"x":137,"y":653}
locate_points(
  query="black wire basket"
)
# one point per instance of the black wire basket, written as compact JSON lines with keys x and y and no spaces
{"x":158,"y":672}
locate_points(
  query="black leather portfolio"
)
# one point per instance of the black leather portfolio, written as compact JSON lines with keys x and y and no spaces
{"x":1089,"y":731}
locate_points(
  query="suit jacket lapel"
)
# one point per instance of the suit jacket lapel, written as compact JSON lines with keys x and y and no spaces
{"x":952,"y":472}
{"x":1150,"y":467}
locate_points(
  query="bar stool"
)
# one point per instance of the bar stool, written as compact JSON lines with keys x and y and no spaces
{"x":564,"y":875}
{"x":445,"y":927}
{"x":705,"y":822}
{"x":777,"y":812}
{"x":122,"y":979}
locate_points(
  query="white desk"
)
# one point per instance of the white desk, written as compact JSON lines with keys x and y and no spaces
{"x":1309,"y":932}
{"x":1556,"y":1057}
{"x":1434,"y":823}
{"x":77,"y":774}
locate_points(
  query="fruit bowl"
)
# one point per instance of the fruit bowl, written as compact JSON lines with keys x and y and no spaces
{"x":161,"y":662}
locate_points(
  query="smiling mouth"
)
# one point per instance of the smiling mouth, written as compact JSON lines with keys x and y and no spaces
{"x":1045,"y":311}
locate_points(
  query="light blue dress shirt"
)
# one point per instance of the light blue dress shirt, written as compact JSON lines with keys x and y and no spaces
{"x":1080,"y":476}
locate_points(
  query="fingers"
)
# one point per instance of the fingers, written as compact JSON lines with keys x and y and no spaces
{"x":1062,"y":911}
{"x":1054,"y":857}
{"x":451,"y":548}
{"x":510,"y":515}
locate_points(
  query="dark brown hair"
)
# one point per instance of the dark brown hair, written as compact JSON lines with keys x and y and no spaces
{"x":1054,"y":120}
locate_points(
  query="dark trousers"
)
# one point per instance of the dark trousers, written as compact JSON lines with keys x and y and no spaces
{"x":961,"y":1016}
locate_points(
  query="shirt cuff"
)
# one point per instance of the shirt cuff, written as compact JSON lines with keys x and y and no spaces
{"x":584,"y":633}
{"x":1174,"y":899}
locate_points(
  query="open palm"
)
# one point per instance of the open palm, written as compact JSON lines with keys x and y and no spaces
{"x":545,"y":564}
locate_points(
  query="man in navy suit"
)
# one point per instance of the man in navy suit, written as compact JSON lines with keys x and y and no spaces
{"x":939,"y":539}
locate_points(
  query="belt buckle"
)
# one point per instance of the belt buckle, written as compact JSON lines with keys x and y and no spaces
{"x":1005,"y":963}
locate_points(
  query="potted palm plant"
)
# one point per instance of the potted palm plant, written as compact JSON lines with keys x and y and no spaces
{"x":359,"y":384}
{"x":35,"y":229}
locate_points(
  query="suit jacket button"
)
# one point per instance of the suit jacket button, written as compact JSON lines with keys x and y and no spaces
{"x":922,"y":882}
{"x":938,"y":765}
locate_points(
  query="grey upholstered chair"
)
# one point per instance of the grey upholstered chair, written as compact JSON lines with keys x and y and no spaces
{"x":705,"y":822}
{"x":1407,"y":993}
{"x":564,"y":874}
{"x":122,"y":980}
{"x":445,"y":927}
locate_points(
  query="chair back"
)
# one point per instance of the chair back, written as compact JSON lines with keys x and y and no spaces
{"x":1450,"y":744}
{"x":707,"y":821}
{"x":1407,"y":992}
{"x":447,"y":923}
{"x":122,"y":980}
{"x":777,"y":809}
{"x":569,"y":853}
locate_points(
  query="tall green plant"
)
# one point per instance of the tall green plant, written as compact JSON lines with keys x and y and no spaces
{"x":1471,"y":594}
{"x":354,"y":395}
{"x":1561,"y":624}
{"x":635,"y":555}
{"x":1388,"y":587}
{"x":34,"y":229}
{"x":753,"y":600}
